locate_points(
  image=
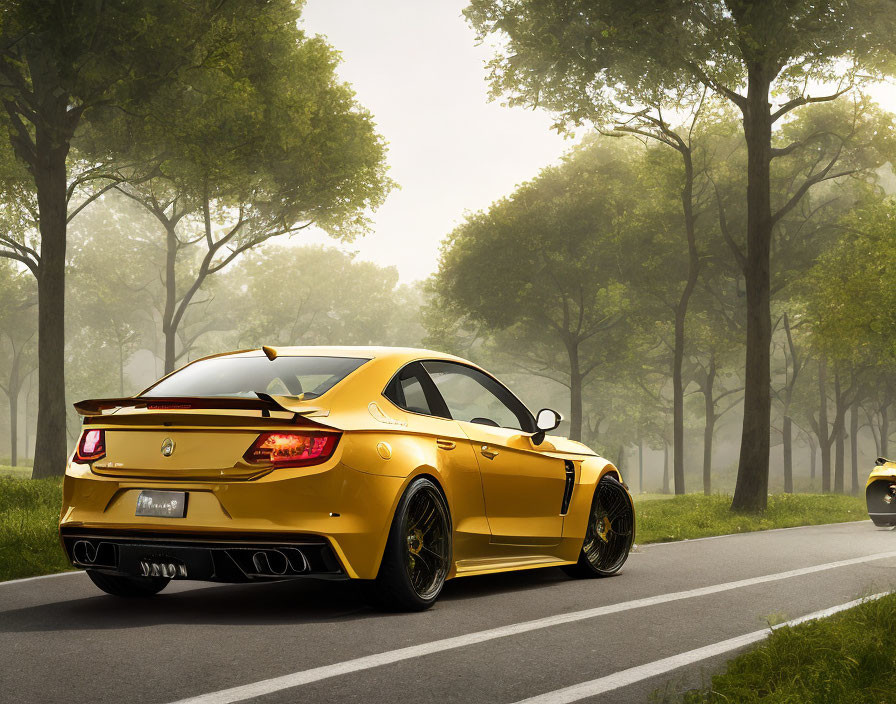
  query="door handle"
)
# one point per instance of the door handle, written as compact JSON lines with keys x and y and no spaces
{"x":486,"y":452}
{"x":445,"y":444}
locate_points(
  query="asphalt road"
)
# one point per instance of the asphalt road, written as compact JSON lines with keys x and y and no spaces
{"x":501,"y":638}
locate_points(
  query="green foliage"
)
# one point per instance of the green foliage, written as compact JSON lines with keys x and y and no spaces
{"x":589,"y":60}
{"x":319,"y":296}
{"x":539,"y":271}
{"x":851,"y":301}
{"x":848,"y":658}
{"x":697,"y":516}
{"x":29,"y":514}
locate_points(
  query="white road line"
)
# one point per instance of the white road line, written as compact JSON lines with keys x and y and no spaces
{"x":634,"y":675}
{"x":41,"y":576}
{"x":296,"y":679}
{"x":751,"y":532}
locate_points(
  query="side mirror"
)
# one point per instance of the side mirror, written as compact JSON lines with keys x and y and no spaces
{"x":545,"y":420}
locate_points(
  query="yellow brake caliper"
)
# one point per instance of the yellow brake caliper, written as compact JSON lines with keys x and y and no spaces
{"x":603,"y":528}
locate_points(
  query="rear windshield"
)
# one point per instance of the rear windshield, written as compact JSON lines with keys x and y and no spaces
{"x":244,"y":376}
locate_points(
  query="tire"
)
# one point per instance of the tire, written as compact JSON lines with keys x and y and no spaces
{"x":408,"y":581}
{"x":879,"y":496}
{"x":131,"y":587}
{"x":610,"y":533}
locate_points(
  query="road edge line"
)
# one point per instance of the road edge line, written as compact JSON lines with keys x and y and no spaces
{"x":271,"y":685}
{"x":634,"y":675}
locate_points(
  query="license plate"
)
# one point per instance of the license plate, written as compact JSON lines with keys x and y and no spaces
{"x":162,"y":504}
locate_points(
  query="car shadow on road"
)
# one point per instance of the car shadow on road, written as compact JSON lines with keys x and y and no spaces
{"x":288,"y":602}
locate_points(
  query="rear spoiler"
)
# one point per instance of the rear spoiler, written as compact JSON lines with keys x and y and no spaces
{"x":264,"y":402}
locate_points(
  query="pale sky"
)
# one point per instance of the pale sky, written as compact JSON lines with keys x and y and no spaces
{"x":415,"y":65}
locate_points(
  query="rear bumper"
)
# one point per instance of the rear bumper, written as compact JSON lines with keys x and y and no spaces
{"x":219,"y":558}
{"x":328,"y":511}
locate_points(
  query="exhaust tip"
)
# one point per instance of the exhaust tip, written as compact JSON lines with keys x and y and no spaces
{"x":271,"y":562}
{"x":84,"y":552}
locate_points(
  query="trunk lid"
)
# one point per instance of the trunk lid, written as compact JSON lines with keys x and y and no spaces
{"x":186,"y":438}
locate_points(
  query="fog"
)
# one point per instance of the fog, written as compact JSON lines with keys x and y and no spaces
{"x":376,"y":189}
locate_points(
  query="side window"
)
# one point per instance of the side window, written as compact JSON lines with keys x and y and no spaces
{"x":406,"y":390}
{"x":475,"y":397}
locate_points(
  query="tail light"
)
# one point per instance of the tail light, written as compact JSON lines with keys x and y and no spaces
{"x":292,"y":449}
{"x":91,"y":446}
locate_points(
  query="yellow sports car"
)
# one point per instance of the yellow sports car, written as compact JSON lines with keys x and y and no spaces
{"x":397,"y":467}
{"x":880,"y":493}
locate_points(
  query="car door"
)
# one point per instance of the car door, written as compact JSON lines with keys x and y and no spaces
{"x":428,"y":421}
{"x":523,"y":487}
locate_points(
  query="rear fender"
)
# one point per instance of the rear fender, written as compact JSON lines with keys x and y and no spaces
{"x":430,"y":473}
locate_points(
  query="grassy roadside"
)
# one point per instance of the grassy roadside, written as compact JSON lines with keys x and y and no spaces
{"x":698,"y":516}
{"x":17,"y":472}
{"x":29,"y":511}
{"x":848,"y":657}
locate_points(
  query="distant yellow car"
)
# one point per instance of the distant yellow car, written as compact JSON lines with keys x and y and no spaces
{"x":399,"y":467}
{"x":880,"y":493}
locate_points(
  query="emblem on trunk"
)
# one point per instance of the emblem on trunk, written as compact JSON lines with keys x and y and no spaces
{"x":167,"y":447}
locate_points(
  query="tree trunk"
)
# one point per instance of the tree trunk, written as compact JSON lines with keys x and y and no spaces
{"x":641,"y":465}
{"x":575,"y":392}
{"x":169,"y":329}
{"x":26,"y":446}
{"x":813,"y":461}
{"x":824,"y":442}
{"x":120,"y":369}
{"x":680,"y":317}
{"x":787,"y":424}
{"x":839,"y":439}
{"x":885,"y":429}
{"x":854,"y":445}
{"x":665,"y":467}
{"x":26,"y":428}
{"x":50,"y":179}
{"x":787,"y":433}
{"x":708,"y":432}
{"x":13,"y":428}
{"x":13,"y":390}
{"x":709,"y":424}
{"x":751,"y":491}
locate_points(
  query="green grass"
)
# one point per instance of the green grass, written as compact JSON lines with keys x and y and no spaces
{"x":19,"y":472}
{"x":849,"y":658}
{"x":698,"y":516}
{"x":29,"y":512}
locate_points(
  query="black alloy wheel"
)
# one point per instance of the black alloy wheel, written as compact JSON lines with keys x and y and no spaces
{"x":418,"y":552}
{"x":427,"y":534}
{"x":610,"y":533}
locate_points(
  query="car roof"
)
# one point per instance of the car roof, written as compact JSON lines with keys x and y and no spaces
{"x":398,"y":355}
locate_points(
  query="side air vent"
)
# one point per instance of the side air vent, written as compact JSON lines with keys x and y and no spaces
{"x":570,"y":483}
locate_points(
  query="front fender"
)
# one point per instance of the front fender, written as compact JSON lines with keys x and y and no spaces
{"x":589,"y":472}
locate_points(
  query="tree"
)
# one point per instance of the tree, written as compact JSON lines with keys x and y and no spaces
{"x":674,"y":201}
{"x":538,"y":266}
{"x":348,"y":302}
{"x":111,"y":290}
{"x":18,"y":329}
{"x":63,"y":65}
{"x":588,"y":60}
{"x":851,"y":309}
{"x":264,"y":145}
